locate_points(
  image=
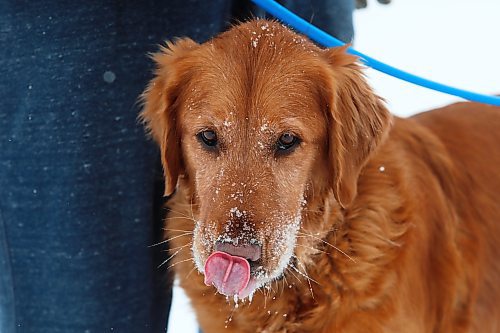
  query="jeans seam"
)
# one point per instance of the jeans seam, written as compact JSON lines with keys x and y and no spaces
{"x":4,"y":244}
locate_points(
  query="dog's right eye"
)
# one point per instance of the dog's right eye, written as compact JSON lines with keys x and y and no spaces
{"x":287,"y":142}
{"x":208,"y":138}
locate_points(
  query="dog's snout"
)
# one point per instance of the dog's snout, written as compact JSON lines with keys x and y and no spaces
{"x":251,"y":252}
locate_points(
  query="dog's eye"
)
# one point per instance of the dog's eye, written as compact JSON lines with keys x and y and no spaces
{"x":286,"y":143}
{"x":208,"y":138}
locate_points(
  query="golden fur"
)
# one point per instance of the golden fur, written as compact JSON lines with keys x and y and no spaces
{"x":399,"y":218}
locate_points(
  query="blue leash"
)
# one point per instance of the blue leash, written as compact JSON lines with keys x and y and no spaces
{"x":325,"y":39}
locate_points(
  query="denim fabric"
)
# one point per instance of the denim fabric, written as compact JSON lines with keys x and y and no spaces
{"x":77,"y":175}
{"x":332,"y":16}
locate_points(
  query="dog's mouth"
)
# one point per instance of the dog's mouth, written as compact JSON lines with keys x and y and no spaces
{"x":237,"y":276}
{"x":232,"y":275}
{"x":238,"y":266}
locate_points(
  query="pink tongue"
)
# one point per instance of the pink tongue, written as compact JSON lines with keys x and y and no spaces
{"x":229,"y":274}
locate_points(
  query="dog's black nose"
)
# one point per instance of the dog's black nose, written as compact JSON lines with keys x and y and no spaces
{"x":251,"y":252}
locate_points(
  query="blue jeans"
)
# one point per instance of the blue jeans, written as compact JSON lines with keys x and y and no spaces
{"x":332,"y":16}
{"x":79,"y":182}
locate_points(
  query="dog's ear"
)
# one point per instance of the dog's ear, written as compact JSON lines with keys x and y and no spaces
{"x":161,"y":101}
{"x":357,"y":119}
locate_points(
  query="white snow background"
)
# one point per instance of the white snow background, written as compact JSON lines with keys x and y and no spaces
{"x":456,"y":42}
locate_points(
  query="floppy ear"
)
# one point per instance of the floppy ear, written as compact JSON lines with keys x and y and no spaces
{"x":161,"y":101}
{"x":358,"y":121}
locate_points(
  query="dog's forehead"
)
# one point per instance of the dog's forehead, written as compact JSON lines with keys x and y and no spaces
{"x":262,"y":112}
{"x":259,"y":74}
{"x":261,"y":52}
{"x":263,"y":34}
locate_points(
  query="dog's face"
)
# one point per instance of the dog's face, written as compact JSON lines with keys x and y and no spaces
{"x":249,"y":144}
{"x":256,"y":121}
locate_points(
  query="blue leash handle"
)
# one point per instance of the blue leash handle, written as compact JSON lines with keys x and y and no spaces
{"x":325,"y":39}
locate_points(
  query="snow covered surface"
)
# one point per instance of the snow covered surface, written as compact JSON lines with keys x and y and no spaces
{"x":182,"y":318}
{"x":450,"y":41}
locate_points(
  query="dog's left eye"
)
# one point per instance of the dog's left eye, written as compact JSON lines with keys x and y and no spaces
{"x":208,"y":138}
{"x":287,"y":142}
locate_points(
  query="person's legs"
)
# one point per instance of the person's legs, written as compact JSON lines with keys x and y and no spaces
{"x":77,"y":175}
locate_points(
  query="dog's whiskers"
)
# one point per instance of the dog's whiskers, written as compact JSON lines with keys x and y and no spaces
{"x":271,"y":289}
{"x":191,"y":208}
{"x":179,"y":218}
{"x":180,"y":262}
{"x":304,"y":274}
{"x":261,"y":290}
{"x":179,"y":247}
{"x":284,"y":284}
{"x":293,"y":274}
{"x":303,"y":234}
{"x":313,"y":249}
{"x":309,"y":279}
{"x":169,"y":258}
{"x":297,"y":278}
{"x":180,"y":213}
{"x":305,"y":271}
{"x":190,"y":272}
{"x":286,"y":281}
{"x":172,"y":238}
{"x":176,"y":230}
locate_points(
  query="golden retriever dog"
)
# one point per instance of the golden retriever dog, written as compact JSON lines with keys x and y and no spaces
{"x":299,"y":204}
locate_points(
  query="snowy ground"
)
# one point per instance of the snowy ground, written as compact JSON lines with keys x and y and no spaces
{"x":450,"y":41}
